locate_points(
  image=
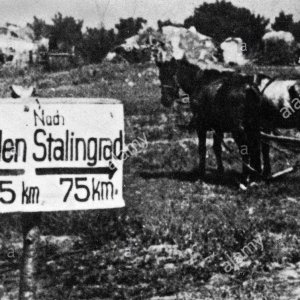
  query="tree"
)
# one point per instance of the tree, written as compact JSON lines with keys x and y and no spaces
{"x":97,"y":43}
{"x":296,"y":31}
{"x":222,"y":19}
{"x":277,"y":52}
{"x":40,"y":28}
{"x":283,"y":22}
{"x":286,"y":23}
{"x":65,"y":33}
{"x":128,"y":28}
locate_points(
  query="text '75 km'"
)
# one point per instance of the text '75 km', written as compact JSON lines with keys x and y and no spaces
{"x":83,"y":189}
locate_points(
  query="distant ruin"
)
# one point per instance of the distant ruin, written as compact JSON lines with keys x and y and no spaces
{"x":17,"y":45}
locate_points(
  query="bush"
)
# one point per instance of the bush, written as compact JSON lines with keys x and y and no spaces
{"x":278,"y":52}
{"x":59,"y":63}
{"x":97,"y":43}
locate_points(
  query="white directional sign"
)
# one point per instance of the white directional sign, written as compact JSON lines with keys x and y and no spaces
{"x":60,"y":154}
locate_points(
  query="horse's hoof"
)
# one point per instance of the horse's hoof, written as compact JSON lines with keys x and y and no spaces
{"x":202,"y":175}
{"x":244,"y":180}
{"x":220,"y":171}
{"x":255,"y":177}
{"x":266,"y":173}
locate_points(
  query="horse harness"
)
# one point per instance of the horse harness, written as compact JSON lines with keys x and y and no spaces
{"x":267,"y":85}
{"x":177,"y":85}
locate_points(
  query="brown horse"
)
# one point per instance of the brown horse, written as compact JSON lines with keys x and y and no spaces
{"x":222,"y":101}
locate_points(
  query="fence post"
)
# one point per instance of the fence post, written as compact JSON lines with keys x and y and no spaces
{"x":31,"y":236}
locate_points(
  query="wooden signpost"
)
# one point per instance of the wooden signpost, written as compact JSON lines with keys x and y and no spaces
{"x":58,"y":154}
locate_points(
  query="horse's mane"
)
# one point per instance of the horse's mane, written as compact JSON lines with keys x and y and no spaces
{"x":211,"y":75}
{"x":228,"y":76}
{"x":189,"y":65}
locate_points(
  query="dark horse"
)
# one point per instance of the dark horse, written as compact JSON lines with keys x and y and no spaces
{"x":222,"y":101}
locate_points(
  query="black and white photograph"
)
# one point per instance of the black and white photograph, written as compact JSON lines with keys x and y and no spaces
{"x":149,"y":150}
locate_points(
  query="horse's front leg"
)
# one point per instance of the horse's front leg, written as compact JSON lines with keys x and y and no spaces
{"x":218,"y":137}
{"x":202,"y":151}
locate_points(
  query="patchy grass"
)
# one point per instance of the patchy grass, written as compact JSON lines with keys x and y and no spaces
{"x":176,"y":231}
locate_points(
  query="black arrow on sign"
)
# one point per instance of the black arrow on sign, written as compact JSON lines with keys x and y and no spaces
{"x":11,"y":172}
{"x":110,"y":171}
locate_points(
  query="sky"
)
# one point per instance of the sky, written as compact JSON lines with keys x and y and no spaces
{"x":108,"y":12}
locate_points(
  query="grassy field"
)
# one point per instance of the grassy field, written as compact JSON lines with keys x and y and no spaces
{"x":177,"y":235}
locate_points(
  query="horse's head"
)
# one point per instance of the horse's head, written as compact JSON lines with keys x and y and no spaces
{"x":169,"y":85}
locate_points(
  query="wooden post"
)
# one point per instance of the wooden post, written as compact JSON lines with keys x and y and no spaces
{"x":31,"y":236}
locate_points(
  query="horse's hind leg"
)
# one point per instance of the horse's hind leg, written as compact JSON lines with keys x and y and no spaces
{"x":254,"y":143}
{"x":202,"y":151}
{"x":265,"y":148}
{"x":241,"y":140}
{"x":218,"y":137}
